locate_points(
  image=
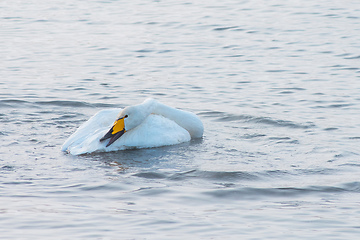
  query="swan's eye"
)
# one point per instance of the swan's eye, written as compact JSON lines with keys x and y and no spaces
{"x":125,"y":116}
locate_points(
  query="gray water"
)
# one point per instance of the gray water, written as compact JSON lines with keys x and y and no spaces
{"x":276,"y":84}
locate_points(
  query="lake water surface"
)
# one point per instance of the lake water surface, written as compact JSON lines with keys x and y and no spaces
{"x":276,"y":84}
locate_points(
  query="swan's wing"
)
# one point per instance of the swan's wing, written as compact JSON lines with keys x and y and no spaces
{"x":97,"y":124}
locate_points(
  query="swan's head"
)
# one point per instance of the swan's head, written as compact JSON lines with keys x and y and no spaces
{"x":129,"y":118}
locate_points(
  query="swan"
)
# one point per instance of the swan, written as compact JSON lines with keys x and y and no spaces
{"x":146,"y":125}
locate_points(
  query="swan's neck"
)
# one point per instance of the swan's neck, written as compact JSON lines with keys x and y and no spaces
{"x":184,"y":119}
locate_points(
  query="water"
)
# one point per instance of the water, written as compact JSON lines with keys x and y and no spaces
{"x":276,"y":85}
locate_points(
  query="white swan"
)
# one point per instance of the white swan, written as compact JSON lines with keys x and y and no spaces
{"x":149,"y":124}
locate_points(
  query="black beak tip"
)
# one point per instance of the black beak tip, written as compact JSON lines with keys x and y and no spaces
{"x":107,"y":135}
{"x":114,"y":137}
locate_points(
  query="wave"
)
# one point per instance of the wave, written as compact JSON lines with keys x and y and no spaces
{"x":241,"y":185}
{"x":235,"y":176}
{"x":80,"y":104}
{"x":13,"y":103}
{"x":248,"y":193}
{"x":18,"y":103}
{"x":198,"y":174}
{"x":226,"y":117}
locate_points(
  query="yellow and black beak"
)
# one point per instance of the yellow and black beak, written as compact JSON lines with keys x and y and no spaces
{"x":116,"y":131}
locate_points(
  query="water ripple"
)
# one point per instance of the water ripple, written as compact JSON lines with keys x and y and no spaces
{"x":289,"y":192}
{"x":204,"y":175}
{"x":264,"y":120}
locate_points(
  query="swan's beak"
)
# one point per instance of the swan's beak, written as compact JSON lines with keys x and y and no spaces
{"x":116,"y":131}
